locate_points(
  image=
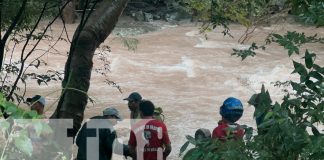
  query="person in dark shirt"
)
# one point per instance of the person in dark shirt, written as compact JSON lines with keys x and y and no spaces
{"x":107,"y":136}
{"x":134,"y":100}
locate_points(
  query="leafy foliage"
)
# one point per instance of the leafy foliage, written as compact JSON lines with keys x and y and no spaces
{"x":200,"y":9}
{"x":287,"y":130}
{"x":245,"y":53}
{"x":20,"y":25}
{"x":309,"y":11}
{"x":291,"y":41}
{"x":220,"y":12}
{"x":314,"y":14}
{"x":16,"y":131}
{"x":207,"y":149}
{"x":25,"y":135}
{"x":10,"y":8}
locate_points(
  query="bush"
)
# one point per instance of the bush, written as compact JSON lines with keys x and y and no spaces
{"x":314,"y":14}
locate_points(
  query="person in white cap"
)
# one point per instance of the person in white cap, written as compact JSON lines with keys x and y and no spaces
{"x":106,"y":135}
{"x":37,"y":104}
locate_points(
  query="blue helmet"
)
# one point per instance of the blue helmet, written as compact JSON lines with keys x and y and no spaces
{"x":232,"y":109}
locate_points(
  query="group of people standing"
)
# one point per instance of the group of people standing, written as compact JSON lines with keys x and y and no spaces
{"x":149,"y":139}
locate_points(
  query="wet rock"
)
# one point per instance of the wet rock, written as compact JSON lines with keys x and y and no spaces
{"x":148,"y":17}
{"x":149,"y":10}
{"x":156,"y":17}
{"x":129,"y":27}
{"x":171,"y":17}
{"x":138,"y":16}
{"x":177,"y":16}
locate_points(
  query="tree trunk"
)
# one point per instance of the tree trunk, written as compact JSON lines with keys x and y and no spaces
{"x":79,"y":64}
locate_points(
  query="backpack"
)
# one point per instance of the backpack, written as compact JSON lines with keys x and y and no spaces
{"x":158,"y":114}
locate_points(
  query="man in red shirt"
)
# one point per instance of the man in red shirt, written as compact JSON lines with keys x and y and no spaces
{"x":231,"y":111}
{"x":149,"y":139}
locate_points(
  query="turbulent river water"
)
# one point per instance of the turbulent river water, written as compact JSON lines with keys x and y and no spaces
{"x":182,"y":71}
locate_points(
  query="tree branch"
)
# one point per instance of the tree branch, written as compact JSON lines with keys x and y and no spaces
{"x":9,"y":31}
{"x":35,"y":45}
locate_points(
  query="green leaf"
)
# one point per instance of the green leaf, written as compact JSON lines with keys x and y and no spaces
{"x":316,"y":75}
{"x":295,"y":102}
{"x":276,"y":107}
{"x":46,"y":128}
{"x":318,"y":68}
{"x":184,"y":147}
{"x":32,"y":114}
{"x":4,"y":125}
{"x":252,"y":100}
{"x":37,"y":125}
{"x":297,"y":87}
{"x":290,"y":52}
{"x":6,"y":104}
{"x":277,"y":36}
{"x":2,"y":98}
{"x":24,"y":144}
{"x":41,"y":127}
{"x":309,"y":59}
{"x":268,"y":115}
{"x":10,"y":108}
{"x":281,"y":120}
{"x":191,"y":139}
{"x":301,"y":70}
{"x":266,"y":124}
{"x":315,"y":131}
{"x":311,"y":85}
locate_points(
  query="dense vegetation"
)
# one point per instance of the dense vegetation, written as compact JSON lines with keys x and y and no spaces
{"x":286,"y":130}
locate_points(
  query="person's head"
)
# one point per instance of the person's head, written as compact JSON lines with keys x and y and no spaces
{"x":231,"y":110}
{"x":146,"y":108}
{"x":37,"y":104}
{"x":133,"y":101}
{"x":112,"y":114}
{"x":202,"y":134}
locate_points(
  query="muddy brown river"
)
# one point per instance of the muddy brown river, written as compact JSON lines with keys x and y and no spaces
{"x":181,"y":71}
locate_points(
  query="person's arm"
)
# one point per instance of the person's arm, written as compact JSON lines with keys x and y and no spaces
{"x":166,"y":142}
{"x":120,"y":148}
{"x":132,"y":145}
{"x":132,"y":152}
{"x":109,"y":138}
{"x":79,"y":136}
{"x":126,"y":152}
{"x":167,"y":150}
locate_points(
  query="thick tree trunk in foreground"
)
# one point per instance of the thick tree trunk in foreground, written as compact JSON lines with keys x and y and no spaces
{"x":79,"y":64}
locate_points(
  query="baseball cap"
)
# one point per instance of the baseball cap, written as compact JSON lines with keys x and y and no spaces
{"x":135,"y":96}
{"x":111,"y":111}
{"x":37,"y":98}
